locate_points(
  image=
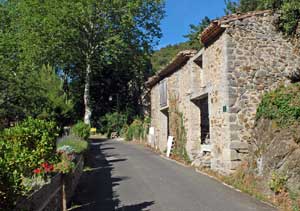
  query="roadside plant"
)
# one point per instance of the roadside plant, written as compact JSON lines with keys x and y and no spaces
{"x":77,"y":144}
{"x":67,"y":156}
{"x":278,"y":183}
{"x":81,"y":130}
{"x":113,"y":122}
{"x":66,"y":164}
{"x":281,"y":105}
{"x":41,"y":176}
{"x":24,"y":148}
{"x":138,"y":129}
{"x":135,"y":130}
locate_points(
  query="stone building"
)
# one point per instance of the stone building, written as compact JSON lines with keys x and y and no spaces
{"x":220,"y":87}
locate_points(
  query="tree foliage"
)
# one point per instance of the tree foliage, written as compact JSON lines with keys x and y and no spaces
{"x":195,"y":31}
{"x":97,"y":48}
{"x":163,"y":56}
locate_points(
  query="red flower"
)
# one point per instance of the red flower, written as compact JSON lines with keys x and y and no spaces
{"x":45,"y":165}
{"x":37,"y":171}
{"x":49,"y":168}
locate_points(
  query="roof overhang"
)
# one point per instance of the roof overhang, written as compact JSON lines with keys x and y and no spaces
{"x":180,"y":59}
{"x":216,"y":27}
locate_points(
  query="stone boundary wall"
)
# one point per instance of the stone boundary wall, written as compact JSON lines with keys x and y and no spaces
{"x":48,"y":198}
{"x":259,"y":60}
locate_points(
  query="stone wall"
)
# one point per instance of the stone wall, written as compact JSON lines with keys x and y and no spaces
{"x":258,"y":59}
{"x":158,"y":121}
{"x":214,"y":63}
{"x":179,"y":85}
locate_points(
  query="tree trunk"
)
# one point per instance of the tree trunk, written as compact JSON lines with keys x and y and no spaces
{"x":86,"y":96}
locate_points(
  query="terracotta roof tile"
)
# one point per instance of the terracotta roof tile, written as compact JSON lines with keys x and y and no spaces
{"x":181,"y":58}
{"x":215,"y":26}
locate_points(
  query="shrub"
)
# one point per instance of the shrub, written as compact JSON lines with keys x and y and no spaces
{"x":81,"y":130}
{"x":124,"y":130}
{"x":137,"y":130}
{"x":277,"y":183}
{"x":66,"y":164}
{"x":24,"y":148}
{"x":76,"y":143}
{"x":281,"y":105}
{"x":113,"y":122}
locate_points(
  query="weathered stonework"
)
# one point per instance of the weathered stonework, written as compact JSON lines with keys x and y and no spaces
{"x":244,"y":57}
{"x":259,"y":59}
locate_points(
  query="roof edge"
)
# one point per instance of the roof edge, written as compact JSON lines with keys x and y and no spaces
{"x":217,"y":26}
{"x":180,"y":59}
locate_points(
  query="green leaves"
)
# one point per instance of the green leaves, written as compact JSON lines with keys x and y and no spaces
{"x":114,"y":37}
{"x":290,"y":16}
{"x":22,"y":149}
{"x":195,"y":31}
{"x":81,"y":130}
{"x":281,"y":105}
{"x":113,"y":122}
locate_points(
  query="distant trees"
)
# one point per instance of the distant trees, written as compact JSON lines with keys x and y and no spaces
{"x":195,"y":31}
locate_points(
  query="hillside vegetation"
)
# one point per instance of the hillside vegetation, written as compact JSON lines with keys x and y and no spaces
{"x":163,"y":56}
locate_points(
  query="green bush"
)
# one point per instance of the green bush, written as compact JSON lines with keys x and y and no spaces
{"x":290,"y":17}
{"x":281,"y":105}
{"x":113,"y":122}
{"x":79,"y":145}
{"x":81,"y":130}
{"x":278,"y":183}
{"x":22,"y":149}
{"x":137,"y":130}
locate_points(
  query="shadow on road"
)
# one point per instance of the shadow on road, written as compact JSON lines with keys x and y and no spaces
{"x":95,"y":189}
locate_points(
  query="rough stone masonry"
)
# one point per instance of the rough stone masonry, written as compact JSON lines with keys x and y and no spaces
{"x":243,"y":57}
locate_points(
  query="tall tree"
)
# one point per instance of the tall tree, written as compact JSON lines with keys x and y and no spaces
{"x":84,"y":39}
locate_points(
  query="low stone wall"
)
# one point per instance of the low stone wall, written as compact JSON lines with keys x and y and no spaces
{"x":48,"y":198}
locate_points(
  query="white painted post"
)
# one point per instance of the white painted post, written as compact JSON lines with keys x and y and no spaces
{"x":151,"y":136}
{"x":169,"y":145}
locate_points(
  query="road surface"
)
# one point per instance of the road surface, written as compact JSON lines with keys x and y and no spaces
{"x":128,"y":177}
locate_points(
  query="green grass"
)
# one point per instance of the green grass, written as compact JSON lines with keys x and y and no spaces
{"x":76,"y":143}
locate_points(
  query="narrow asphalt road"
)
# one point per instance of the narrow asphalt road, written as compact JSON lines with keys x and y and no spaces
{"x":127,"y":177}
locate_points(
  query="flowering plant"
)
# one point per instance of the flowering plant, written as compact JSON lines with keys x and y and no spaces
{"x":65,"y":149}
{"x":67,"y":155}
{"x":44,"y":169}
{"x":41,"y":176}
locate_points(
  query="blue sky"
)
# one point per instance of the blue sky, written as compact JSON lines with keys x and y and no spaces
{"x":181,"y":13}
